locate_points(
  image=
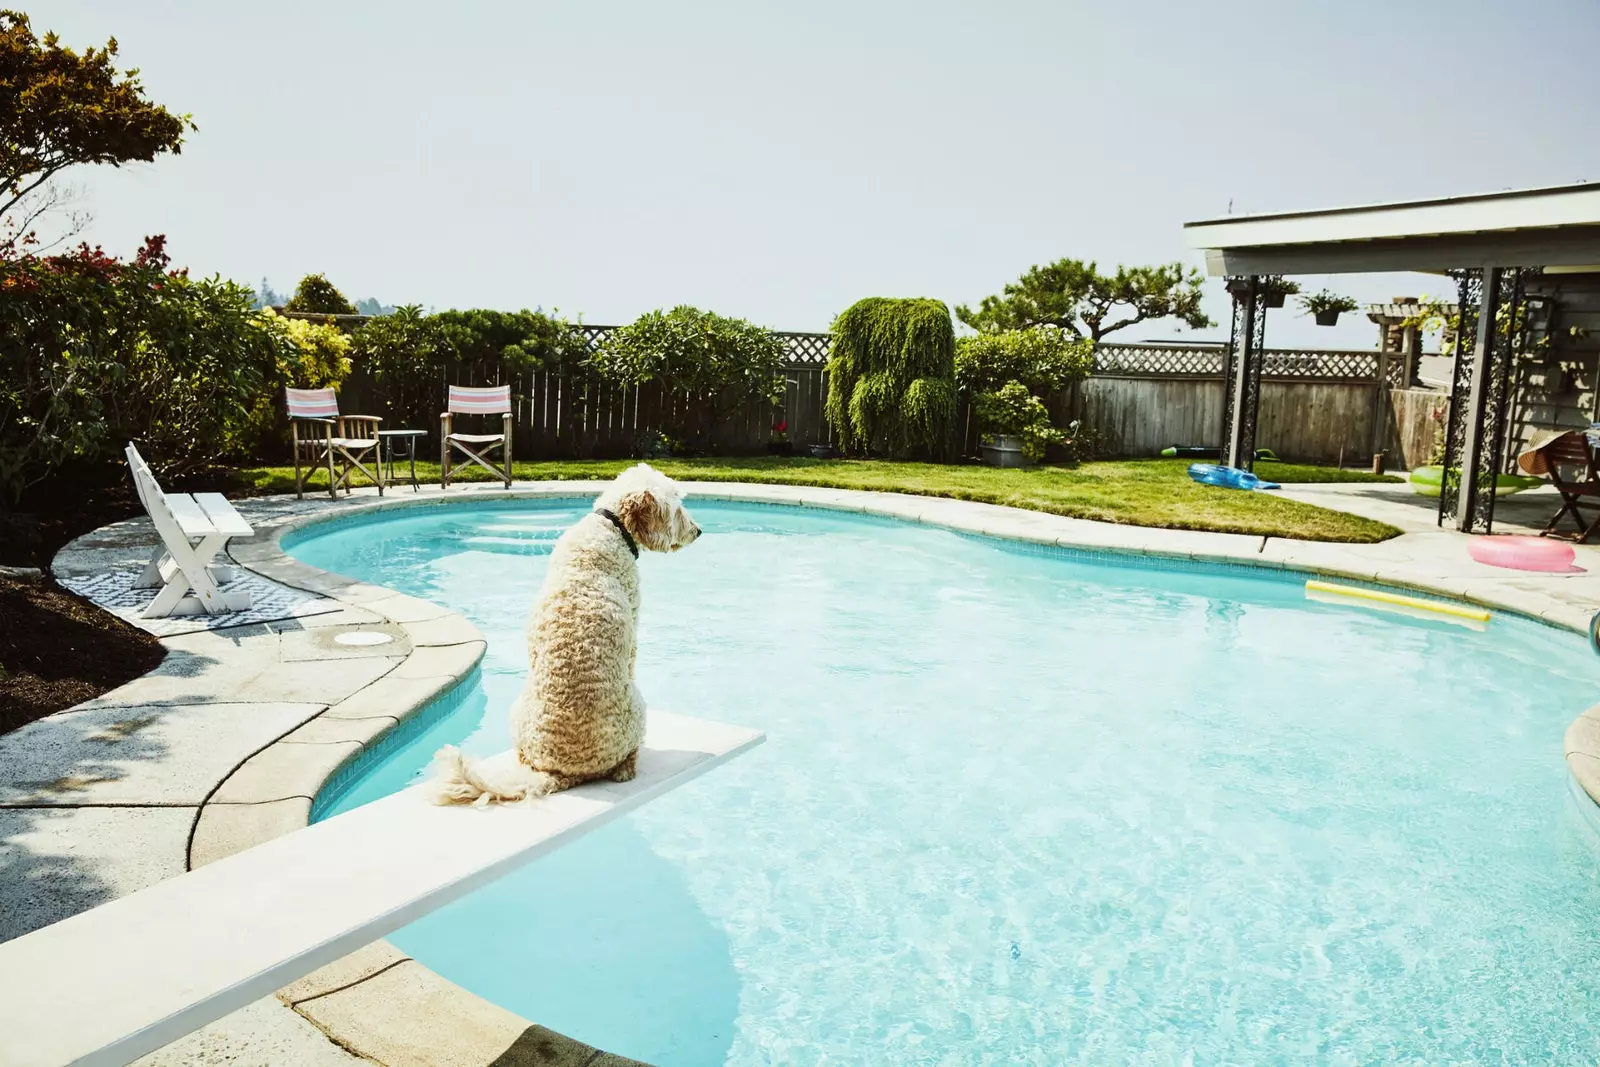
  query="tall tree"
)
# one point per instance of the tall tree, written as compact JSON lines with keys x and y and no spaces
{"x":316,"y":293}
{"x":1076,"y":297}
{"x":60,"y":108}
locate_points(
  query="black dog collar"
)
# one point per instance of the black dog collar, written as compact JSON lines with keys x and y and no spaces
{"x":607,"y":513}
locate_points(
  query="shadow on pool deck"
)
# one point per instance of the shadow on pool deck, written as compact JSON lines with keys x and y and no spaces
{"x":1399,"y":505}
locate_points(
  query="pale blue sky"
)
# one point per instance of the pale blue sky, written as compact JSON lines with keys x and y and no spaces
{"x":779,"y":161}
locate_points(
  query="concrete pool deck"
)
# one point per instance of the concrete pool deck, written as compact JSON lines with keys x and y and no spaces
{"x":225,"y":744}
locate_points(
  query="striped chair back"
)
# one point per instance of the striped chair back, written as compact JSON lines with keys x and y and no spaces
{"x":465,"y":400}
{"x":312,"y":403}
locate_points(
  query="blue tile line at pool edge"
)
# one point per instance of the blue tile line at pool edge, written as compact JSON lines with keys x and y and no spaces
{"x":352,"y":770}
{"x":1132,"y":559}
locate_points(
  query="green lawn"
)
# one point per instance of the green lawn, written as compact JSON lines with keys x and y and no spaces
{"x":1152,"y":492}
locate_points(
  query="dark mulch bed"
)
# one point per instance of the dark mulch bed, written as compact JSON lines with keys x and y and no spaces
{"x":57,"y":649}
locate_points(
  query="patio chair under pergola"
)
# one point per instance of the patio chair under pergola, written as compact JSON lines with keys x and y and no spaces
{"x":1506,"y":252}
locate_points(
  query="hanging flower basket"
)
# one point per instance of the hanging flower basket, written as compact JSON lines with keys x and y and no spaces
{"x":1275,"y":289}
{"x":1327,"y":306}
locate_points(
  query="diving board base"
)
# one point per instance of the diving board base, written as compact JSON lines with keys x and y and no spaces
{"x":123,"y":979}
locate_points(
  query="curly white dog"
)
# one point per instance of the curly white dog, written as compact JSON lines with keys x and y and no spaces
{"x":581,"y":717}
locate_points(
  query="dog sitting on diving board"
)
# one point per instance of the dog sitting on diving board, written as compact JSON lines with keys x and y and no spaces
{"x":580,"y":717}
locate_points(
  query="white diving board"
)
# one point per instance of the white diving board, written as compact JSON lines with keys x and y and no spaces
{"x":123,"y":979}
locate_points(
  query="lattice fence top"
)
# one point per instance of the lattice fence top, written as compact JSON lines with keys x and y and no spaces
{"x":807,"y":347}
{"x":810,"y":349}
{"x":1179,"y":361}
{"x":1164,"y":361}
{"x":1158,"y":360}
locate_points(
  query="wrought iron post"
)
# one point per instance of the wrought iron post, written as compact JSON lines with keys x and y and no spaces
{"x":1241,"y":372}
{"x":1475,"y":439}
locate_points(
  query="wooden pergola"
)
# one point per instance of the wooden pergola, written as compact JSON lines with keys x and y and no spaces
{"x":1495,"y":245}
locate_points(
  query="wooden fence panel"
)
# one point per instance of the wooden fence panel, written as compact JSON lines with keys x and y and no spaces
{"x":1316,"y":405}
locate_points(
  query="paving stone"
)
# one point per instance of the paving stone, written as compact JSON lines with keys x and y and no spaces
{"x":224,"y":829}
{"x":290,"y":571}
{"x":324,"y":731}
{"x":153,"y":754}
{"x":446,"y":661}
{"x":282,"y":771}
{"x":403,"y":608}
{"x":56,"y":862}
{"x":449,"y":630}
{"x":252,"y":676}
{"x":361,"y":964}
{"x":324,"y":643}
{"x":345,"y":616}
{"x":396,"y":697}
{"x":366,"y":594}
{"x":407,"y":1016}
{"x":259,"y":640}
{"x":325,"y":682}
{"x":266,"y":1033}
{"x":1583,"y":735}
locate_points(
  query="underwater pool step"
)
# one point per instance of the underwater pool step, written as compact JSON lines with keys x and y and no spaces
{"x":110,"y":984}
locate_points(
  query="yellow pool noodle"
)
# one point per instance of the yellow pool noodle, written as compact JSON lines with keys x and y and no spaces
{"x":1378,"y":596}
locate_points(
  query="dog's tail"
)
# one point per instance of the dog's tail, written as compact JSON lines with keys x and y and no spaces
{"x":499,"y":779}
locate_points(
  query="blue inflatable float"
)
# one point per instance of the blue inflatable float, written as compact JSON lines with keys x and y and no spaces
{"x":1227,"y":477}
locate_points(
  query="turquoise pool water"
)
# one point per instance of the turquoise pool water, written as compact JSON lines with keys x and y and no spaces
{"x":1020,"y":808}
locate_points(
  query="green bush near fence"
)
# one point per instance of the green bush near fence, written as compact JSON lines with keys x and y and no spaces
{"x":1043,"y":358}
{"x":715,"y":363}
{"x":891,"y":379}
{"x":1008,"y":375}
{"x":411,"y":354}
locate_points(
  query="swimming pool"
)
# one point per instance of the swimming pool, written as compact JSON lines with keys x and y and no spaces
{"x":1018,"y":807}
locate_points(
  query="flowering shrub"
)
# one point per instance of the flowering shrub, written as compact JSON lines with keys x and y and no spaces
{"x":96,"y":352}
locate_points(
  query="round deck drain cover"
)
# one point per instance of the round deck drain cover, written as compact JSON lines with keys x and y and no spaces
{"x":362,"y":637}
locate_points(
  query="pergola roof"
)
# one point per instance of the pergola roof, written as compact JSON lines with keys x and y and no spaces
{"x":1556,"y":226}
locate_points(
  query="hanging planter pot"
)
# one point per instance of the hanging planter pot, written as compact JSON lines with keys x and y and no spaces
{"x":1273,"y":299}
{"x":1326,"y":307}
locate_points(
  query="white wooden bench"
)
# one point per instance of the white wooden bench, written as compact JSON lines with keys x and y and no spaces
{"x":193,"y":529}
{"x":118,"y":981}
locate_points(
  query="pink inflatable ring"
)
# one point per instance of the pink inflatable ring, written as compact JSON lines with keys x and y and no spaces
{"x":1524,"y":554}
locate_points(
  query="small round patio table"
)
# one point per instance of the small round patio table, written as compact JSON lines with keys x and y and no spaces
{"x":386,"y":439}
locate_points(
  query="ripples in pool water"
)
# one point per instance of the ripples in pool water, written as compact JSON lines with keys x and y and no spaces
{"x":1022,"y":809}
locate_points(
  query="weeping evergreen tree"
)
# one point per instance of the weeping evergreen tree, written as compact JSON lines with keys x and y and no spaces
{"x":891,"y":379}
